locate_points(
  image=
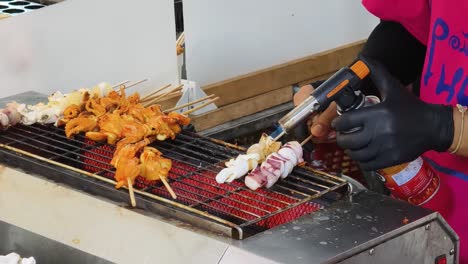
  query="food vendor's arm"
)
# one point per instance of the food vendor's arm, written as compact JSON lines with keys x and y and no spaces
{"x":395,"y":48}
{"x":457,"y":122}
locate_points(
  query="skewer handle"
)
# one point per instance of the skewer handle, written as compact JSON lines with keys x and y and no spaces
{"x":306,"y":140}
{"x":135,"y":83}
{"x":200,"y":106}
{"x":155,"y":92}
{"x":168,"y":187}
{"x":131,"y":192}
{"x":119,"y":84}
{"x":174,"y":93}
{"x":151,"y":101}
{"x":188,"y":104}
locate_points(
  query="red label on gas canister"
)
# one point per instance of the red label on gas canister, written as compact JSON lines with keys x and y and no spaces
{"x":414,"y":182}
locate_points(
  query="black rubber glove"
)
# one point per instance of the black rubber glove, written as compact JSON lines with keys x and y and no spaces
{"x":397,"y":130}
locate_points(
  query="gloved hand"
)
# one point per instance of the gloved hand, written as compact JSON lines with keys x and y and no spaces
{"x":319,"y":125}
{"x":397,"y":130}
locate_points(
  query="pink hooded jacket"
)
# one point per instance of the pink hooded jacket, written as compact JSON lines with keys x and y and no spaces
{"x":442,"y":26}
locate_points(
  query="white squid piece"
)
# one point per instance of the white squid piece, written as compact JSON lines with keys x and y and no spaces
{"x":276,"y":165}
{"x":236,"y":168}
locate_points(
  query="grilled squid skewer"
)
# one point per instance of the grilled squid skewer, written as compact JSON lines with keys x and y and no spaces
{"x":276,"y":165}
{"x":4,"y":120}
{"x":236,"y":168}
{"x":239,"y":167}
{"x":11,"y":114}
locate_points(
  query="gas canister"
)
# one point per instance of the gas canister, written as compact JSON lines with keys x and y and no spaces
{"x":414,"y":182}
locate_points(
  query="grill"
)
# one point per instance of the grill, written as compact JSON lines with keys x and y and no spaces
{"x":231,"y":210}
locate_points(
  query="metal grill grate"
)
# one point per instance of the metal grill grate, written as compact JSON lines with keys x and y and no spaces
{"x":233,"y":209}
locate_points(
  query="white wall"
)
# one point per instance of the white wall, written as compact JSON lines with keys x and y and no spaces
{"x":83,"y":42}
{"x":228,"y":38}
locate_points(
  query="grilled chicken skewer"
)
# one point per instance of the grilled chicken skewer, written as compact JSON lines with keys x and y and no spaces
{"x":132,"y":127}
{"x":108,"y":115}
{"x":155,"y":167}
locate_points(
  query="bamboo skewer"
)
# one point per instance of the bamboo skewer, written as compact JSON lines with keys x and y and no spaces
{"x":155,"y":92}
{"x":168,"y":187}
{"x":174,"y":93}
{"x":119,"y":84}
{"x":188,"y":104}
{"x":200,"y":106}
{"x":53,"y":162}
{"x":131,"y":192}
{"x":149,"y":99}
{"x":135,"y":83}
{"x":130,"y":187}
{"x":152,"y":99}
{"x":306,"y":140}
{"x":154,"y":95}
{"x":157,"y":98}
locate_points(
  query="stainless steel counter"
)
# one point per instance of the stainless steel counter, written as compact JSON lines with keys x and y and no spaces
{"x":44,"y":250}
{"x":366,"y":223}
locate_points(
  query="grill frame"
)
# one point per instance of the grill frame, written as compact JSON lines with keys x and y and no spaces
{"x":101,"y":186}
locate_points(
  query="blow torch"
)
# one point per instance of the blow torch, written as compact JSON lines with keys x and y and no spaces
{"x":341,"y":88}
